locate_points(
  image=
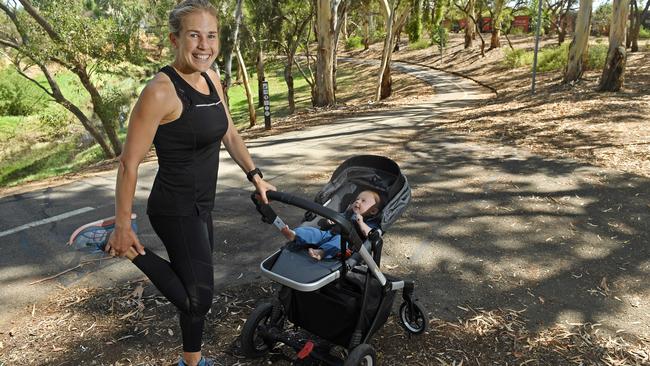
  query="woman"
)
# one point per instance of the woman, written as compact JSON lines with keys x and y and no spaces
{"x":182,"y":113}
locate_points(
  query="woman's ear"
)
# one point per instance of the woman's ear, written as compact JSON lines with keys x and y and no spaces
{"x":172,"y":39}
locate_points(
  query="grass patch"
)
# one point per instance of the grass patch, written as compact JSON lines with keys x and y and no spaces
{"x":554,"y":58}
{"x":420,"y":45}
{"x":278,"y":93}
{"x":644,"y":33}
{"x":353,"y":43}
{"x":8,"y":126}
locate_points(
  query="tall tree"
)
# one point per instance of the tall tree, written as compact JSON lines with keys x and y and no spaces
{"x":578,"y":50}
{"x":326,"y":21}
{"x":497,"y":19}
{"x":470,"y":23}
{"x":637,"y":19}
{"x":228,"y":57}
{"x":395,"y":19}
{"x":414,"y":27}
{"x":564,"y":21}
{"x":614,"y":70}
{"x":62,"y":32}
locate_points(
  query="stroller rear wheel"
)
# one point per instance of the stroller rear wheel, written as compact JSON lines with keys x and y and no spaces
{"x":361,"y":355}
{"x":413,"y":317}
{"x":253,"y":345}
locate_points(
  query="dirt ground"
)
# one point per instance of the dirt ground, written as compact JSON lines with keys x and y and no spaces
{"x":133,"y":325}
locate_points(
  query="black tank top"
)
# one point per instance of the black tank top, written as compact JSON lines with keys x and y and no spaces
{"x":188,"y":152}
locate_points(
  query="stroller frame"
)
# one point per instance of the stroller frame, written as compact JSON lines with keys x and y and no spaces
{"x":264,"y":327}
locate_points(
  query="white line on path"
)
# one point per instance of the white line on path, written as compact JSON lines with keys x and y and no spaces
{"x":45,"y":221}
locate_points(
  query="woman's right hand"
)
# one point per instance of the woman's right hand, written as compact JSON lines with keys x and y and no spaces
{"x":121,"y":239}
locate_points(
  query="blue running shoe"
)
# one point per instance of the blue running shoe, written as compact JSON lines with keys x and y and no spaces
{"x":203,"y":362}
{"x":95,"y":235}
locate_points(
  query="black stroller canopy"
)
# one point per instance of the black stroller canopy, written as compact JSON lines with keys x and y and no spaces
{"x":377,"y":173}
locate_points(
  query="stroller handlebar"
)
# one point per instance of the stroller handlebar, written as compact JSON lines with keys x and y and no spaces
{"x":347,"y":228}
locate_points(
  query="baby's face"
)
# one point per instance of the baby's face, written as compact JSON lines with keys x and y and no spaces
{"x":364,"y":201}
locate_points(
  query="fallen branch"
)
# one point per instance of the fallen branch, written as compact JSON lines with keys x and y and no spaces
{"x":67,"y":270}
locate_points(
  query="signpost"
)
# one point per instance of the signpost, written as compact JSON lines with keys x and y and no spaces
{"x":267,"y":104}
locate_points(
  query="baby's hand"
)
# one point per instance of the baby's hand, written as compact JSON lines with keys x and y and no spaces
{"x":357,"y":218}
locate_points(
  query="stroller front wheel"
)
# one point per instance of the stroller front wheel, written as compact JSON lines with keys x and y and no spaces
{"x":361,"y":355}
{"x":413,"y":317}
{"x":253,"y":345}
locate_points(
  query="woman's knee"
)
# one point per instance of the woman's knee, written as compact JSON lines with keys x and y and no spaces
{"x":200,"y":305}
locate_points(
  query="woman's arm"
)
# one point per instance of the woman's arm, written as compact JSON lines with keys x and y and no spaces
{"x":155,"y":104}
{"x":236,"y":147}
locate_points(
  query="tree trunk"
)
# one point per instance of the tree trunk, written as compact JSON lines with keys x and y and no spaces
{"x":288,"y":78}
{"x":579,"y":46}
{"x":386,"y":82}
{"x":389,"y":13}
{"x":247,"y":86}
{"x":85,"y":122}
{"x":496,"y":24}
{"x":614,"y":70}
{"x":326,"y":17}
{"x":228,"y":57}
{"x":98,"y":106}
{"x":344,"y":27}
{"x":630,"y":28}
{"x":366,"y":32}
{"x":260,"y":76}
{"x":469,"y":25}
{"x":561,"y":36}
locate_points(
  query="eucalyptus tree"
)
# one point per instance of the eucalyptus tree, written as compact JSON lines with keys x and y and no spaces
{"x":497,"y":23}
{"x":637,"y":18}
{"x":579,"y":48}
{"x":614,"y":69}
{"x":414,"y":27}
{"x":66,"y":34}
{"x":327,"y":17}
{"x":395,"y":13}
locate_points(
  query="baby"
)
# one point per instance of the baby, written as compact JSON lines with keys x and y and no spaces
{"x":328,"y":243}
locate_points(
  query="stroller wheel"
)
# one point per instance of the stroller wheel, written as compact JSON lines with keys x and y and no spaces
{"x":253,"y":345}
{"x":413,"y":317}
{"x":361,"y":355}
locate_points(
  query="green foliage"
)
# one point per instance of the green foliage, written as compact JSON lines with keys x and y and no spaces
{"x":353,"y":43}
{"x":644,"y":33}
{"x":439,"y":36}
{"x":546,"y":16}
{"x":414,"y":26}
{"x":117,"y":103}
{"x":554,"y":58}
{"x":597,"y":56}
{"x":55,"y":122}
{"x":517,"y":57}
{"x":419,"y":45}
{"x":18,"y":96}
{"x":601,"y":18}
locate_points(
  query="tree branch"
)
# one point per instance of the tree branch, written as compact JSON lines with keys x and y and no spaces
{"x":41,"y":21}
{"x":35,"y":82}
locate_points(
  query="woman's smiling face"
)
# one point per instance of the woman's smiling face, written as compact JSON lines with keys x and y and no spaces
{"x":197,"y":44}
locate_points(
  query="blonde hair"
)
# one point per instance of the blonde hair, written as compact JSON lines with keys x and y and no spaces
{"x":187,"y":7}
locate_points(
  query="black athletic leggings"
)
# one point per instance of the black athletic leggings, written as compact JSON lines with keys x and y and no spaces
{"x":187,"y":280}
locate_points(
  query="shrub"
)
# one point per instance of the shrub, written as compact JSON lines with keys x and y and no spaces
{"x":55,"y":121}
{"x":353,"y":43}
{"x":18,"y":96}
{"x":597,"y":56}
{"x":644,"y":33}
{"x":419,"y":45}
{"x":553,"y":58}
{"x":517,"y":58}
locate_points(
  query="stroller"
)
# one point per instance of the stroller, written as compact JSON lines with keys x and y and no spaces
{"x":341,"y":301}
